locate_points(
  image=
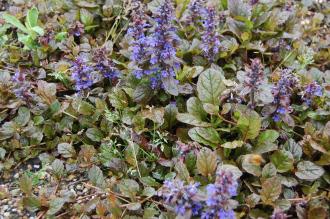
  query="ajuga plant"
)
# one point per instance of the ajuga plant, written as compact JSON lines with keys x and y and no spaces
{"x":104,"y":64}
{"x":81,"y":74}
{"x":282,"y":95}
{"x":22,"y":86}
{"x":311,"y":91}
{"x":163,"y":41}
{"x":210,"y":44}
{"x":204,"y":18}
{"x":254,"y":84}
{"x":214,"y":201}
{"x":164,"y":109}
{"x":139,"y":44}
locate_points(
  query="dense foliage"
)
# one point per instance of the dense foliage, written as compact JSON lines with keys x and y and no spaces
{"x":166,"y":108}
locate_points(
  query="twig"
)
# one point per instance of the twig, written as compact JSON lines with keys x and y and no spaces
{"x":228,"y":121}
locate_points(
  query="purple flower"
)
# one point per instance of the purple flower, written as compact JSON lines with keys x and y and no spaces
{"x":22,"y":86}
{"x":210,"y":37}
{"x":81,"y":74}
{"x":181,"y":197}
{"x":219,"y":195}
{"x":253,"y":80}
{"x":311,"y":91}
{"x":185,"y":199}
{"x":104,"y":64}
{"x":137,"y":31}
{"x":282,"y":93}
{"x":281,"y":110}
{"x":255,"y":74}
{"x":276,"y":118}
{"x":162,"y":43}
{"x":76,"y":29}
{"x":196,"y":10}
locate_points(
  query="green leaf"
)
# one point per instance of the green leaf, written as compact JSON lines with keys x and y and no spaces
{"x":265,"y":142}
{"x":206,"y":162}
{"x":154,"y":114}
{"x":23,"y":116}
{"x":148,"y":191}
{"x":195,"y":108}
{"x":55,"y":205}
{"x":95,"y":175}
{"x":170,"y":115}
{"x":38,"y":30}
{"x":267,"y":136}
{"x":94,"y":134}
{"x":210,"y":85}
{"x":83,"y":107}
{"x":58,"y":167}
{"x":129,"y":187}
{"x":294,"y":148}
{"x":7,"y":130}
{"x":182,"y":171}
{"x":66,"y":150}
{"x":118,"y":98}
{"x":154,"y":5}
{"x":2,"y":153}
{"x":170,"y":86}
{"x":191,"y":120}
{"x":207,"y":136}
{"x":238,"y":8}
{"x":283,"y":204}
{"x":283,"y":160}
{"x":32,"y":203}
{"x":86,"y":17}
{"x":237,"y":173}
{"x":142,"y":94}
{"x":288,"y":181}
{"x":32,"y":17}
{"x":149,"y":212}
{"x":149,"y":181}
{"x":134,"y":206}
{"x":232,"y":144}
{"x":249,"y":123}
{"x":60,"y":36}
{"x":269,"y":170}
{"x":25,"y":184}
{"x":264,"y":148}
{"x":131,"y":153}
{"x":251,"y":163}
{"x":271,"y":190}
{"x":15,"y":22}
{"x":211,"y":109}
{"x":307,"y":170}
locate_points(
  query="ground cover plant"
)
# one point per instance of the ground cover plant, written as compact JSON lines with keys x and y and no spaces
{"x":164,"y":109}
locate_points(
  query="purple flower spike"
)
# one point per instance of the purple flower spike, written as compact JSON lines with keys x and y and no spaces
{"x":218,"y":196}
{"x":181,"y":197}
{"x":210,"y":37}
{"x":163,"y":41}
{"x":81,"y":74}
{"x":282,"y":93}
{"x":137,"y":31}
{"x":311,"y":91}
{"x":104,"y":64}
{"x":22,"y":86}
